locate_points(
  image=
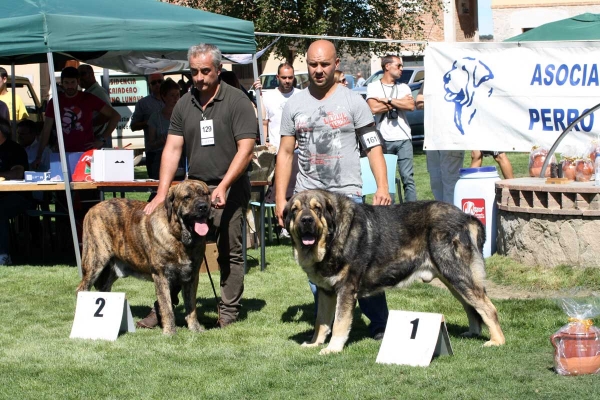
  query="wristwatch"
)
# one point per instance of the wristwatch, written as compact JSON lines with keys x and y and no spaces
{"x":389,"y":100}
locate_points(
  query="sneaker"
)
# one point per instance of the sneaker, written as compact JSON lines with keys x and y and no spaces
{"x":284,"y":233}
{"x":5,"y":260}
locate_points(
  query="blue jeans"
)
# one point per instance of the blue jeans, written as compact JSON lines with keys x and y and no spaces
{"x":374,"y":307}
{"x":11,"y":205}
{"x":404,"y":150}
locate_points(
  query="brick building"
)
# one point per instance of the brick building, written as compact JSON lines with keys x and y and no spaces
{"x":513,"y":17}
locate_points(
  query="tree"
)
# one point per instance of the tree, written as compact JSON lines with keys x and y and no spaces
{"x":386,"y":19}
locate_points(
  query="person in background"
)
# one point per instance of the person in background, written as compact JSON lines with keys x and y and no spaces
{"x":13,"y":164}
{"x":144,"y":108}
{"x":4,"y":111}
{"x":27,"y":136}
{"x":87,"y":80}
{"x":330,"y":116}
{"x":273,"y":102}
{"x":499,"y":156}
{"x":76,"y":117}
{"x":389,"y":102}
{"x":340,"y":78}
{"x":7,"y":98}
{"x":158,"y":127}
{"x":219,"y":156}
{"x":443,"y":165}
{"x":360,"y":81}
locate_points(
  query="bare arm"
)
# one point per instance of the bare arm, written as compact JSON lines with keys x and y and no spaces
{"x":114,"y":118}
{"x":378,"y":105}
{"x":237,"y":168}
{"x":379,"y":168}
{"x":420,"y":103}
{"x":168,"y":166}
{"x":283,"y":173}
{"x":44,"y":137}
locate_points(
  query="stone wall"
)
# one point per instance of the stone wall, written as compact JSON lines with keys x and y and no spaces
{"x":549,"y":240}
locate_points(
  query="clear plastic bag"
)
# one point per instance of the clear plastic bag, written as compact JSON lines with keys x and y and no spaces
{"x":577,"y":344}
{"x":584,"y":170}
{"x":536,"y":161}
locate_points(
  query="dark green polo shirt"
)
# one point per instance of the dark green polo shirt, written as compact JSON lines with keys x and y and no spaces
{"x":233,"y":119}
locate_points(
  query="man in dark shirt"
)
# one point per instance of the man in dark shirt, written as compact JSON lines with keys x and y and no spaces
{"x":217,"y":125}
{"x":13,"y":163}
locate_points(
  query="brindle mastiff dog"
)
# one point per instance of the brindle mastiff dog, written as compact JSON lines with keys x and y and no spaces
{"x":167,"y":246}
{"x":353,"y":250}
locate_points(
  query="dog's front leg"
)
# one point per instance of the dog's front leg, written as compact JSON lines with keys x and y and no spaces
{"x":325,"y":313}
{"x":346,"y":301}
{"x":165,"y":306}
{"x":189,"y":300}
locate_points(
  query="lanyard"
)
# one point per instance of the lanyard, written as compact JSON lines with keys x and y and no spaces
{"x":393,"y":90}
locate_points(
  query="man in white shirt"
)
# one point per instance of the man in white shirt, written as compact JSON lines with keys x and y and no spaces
{"x":389,"y":102}
{"x":274,"y":100}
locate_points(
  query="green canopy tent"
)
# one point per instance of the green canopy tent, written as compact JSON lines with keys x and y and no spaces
{"x":46,"y":30}
{"x":581,"y":27}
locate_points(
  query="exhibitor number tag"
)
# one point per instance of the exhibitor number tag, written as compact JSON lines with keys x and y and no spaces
{"x":207,"y":134}
{"x":371,"y":139}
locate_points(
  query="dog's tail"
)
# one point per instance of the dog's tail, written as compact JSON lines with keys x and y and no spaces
{"x":477,"y":239}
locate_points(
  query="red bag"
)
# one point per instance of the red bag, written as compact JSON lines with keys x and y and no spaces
{"x":83,"y":169}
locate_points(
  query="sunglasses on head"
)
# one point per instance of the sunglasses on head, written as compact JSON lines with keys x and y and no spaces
{"x":156,"y":81}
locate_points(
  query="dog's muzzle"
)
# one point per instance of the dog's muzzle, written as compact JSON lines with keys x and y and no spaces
{"x":198,"y":220}
{"x":307,"y":230}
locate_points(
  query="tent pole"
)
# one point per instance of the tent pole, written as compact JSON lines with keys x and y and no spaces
{"x":63,"y":160}
{"x":13,"y":111}
{"x":258,"y":102}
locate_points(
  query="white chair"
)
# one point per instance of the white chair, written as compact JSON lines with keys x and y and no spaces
{"x":369,"y":184}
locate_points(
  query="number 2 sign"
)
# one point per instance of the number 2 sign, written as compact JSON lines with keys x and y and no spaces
{"x":414,"y":338}
{"x":101,"y":315}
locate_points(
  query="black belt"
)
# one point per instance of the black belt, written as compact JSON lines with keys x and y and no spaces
{"x":214,"y":182}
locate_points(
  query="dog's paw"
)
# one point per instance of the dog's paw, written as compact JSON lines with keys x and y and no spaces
{"x":491,"y":343}
{"x":311,"y":344}
{"x":469,"y":334}
{"x":330,"y":350}
{"x":169,"y":331}
{"x":196,"y":328}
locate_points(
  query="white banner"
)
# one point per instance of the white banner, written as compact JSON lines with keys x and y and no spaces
{"x":510,"y":96}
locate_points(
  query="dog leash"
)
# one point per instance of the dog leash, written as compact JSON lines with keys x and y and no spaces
{"x":211,"y":283}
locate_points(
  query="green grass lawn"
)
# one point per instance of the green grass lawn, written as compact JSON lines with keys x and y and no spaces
{"x":260,"y":357}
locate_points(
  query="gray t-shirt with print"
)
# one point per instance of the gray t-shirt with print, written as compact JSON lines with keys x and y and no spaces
{"x":328,"y":147}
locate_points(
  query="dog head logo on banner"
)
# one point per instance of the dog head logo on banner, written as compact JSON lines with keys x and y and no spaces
{"x":461,"y":84}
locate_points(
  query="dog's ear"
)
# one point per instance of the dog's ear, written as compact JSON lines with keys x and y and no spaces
{"x":169,"y":202}
{"x":481,"y":73}
{"x":330,"y":215}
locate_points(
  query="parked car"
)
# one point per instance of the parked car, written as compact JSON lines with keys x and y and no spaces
{"x":24,"y":90}
{"x":415,"y":118}
{"x":409,"y":75}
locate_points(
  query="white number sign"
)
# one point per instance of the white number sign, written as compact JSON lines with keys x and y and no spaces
{"x":101,"y":315}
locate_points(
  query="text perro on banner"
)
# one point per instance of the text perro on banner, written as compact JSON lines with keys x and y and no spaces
{"x":510,"y":96}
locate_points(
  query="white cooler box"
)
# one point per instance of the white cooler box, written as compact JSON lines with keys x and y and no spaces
{"x":110,"y":165}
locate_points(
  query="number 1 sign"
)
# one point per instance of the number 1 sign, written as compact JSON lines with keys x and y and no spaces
{"x":101,"y":315}
{"x":414,"y":338}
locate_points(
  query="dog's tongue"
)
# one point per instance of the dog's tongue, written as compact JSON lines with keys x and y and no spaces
{"x":201,"y":228}
{"x":308,"y":240}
